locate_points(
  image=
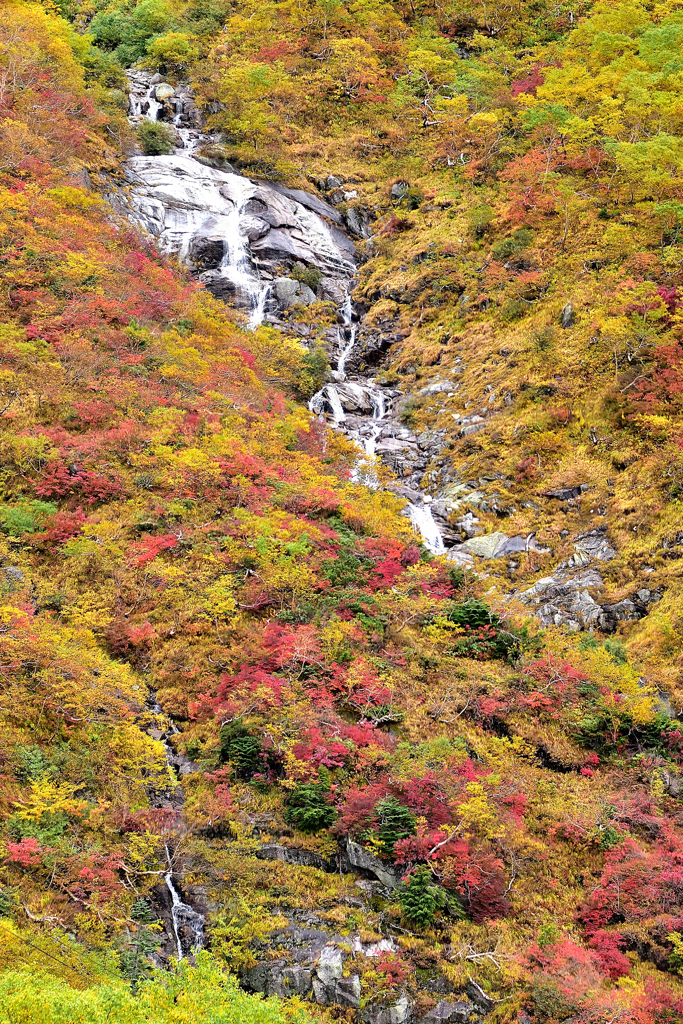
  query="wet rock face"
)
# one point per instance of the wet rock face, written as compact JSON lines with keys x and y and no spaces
{"x":151,"y":98}
{"x":236,"y":234}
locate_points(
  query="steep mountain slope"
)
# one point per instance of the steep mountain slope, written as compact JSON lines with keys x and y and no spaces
{"x":242,"y":704}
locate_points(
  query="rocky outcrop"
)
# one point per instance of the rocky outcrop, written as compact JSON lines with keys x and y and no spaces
{"x":499,"y":545}
{"x":569,"y":598}
{"x":361,"y":858}
{"x":291,"y":855}
{"x":236,"y":234}
{"x":304,"y":959}
{"x":448,"y":1013}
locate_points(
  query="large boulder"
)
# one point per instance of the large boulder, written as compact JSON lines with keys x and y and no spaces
{"x":448,"y":1013}
{"x":205,"y":213}
{"x":361,"y":858}
{"x":206,"y":252}
{"x":289,"y":292}
{"x":289,"y":855}
{"x":398,"y":1013}
{"x":318,"y":206}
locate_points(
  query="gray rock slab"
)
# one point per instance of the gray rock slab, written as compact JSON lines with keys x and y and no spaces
{"x":289,"y":855}
{"x":447,"y":1013}
{"x":311,"y":202}
{"x":361,"y":858}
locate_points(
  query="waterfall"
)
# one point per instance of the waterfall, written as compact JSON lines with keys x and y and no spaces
{"x":212,"y":219}
{"x":236,"y":265}
{"x":184,"y":917}
{"x":259,"y":311}
{"x":347,"y":316}
{"x":423,"y":522}
{"x":167,"y":795}
{"x":378,"y":413}
{"x":328,"y":398}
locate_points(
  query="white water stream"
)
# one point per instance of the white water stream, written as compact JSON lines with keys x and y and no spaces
{"x":329,"y":400}
{"x":423,"y":521}
{"x":185,"y":919}
{"x":347,"y":316}
{"x":178,"y":199}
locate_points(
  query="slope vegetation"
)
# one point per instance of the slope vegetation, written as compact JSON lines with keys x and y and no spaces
{"x":400,"y":789}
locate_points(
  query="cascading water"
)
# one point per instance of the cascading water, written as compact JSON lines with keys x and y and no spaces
{"x":347,"y":316}
{"x":180,"y":200}
{"x":236,"y":266}
{"x":423,"y":522}
{"x":143,"y":105}
{"x":378,"y":414}
{"x":185,"y":919}
{"x":202,"y":213}
{"x":329,"y":400}
{"x":188,"y":923}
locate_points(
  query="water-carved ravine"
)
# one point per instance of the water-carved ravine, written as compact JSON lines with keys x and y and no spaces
{"x":340,"y":542}
{"x":237,"y":235}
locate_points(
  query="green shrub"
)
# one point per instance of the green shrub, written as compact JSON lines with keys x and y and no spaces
{"x":315,"y":369}
{"x":616,"y":650}
{"x":25,"y":516}
{"x":420,"y":898}
{"x":412,"y":198}
{"x":308,"y":809}
{"x":515,"y":243}
{"x":549,"y":1002}
{"x":480,"y":219}
{"x":395,"y":822}
{"x":243,"y":751}
{"x":607,"y":731}
{"x":156,"y":138}
{"x":310,"y":276}
{"x":32,"y":764}
{"x":7,"y":903}
{"x":485,"y":633}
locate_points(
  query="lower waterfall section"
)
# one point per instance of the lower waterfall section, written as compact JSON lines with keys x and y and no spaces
{"x":188,"y":924}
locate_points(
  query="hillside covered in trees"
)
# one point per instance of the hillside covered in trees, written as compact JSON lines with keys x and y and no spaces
{"x":341,"y":493}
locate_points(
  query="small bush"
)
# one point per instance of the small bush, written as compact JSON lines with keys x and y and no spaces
{"x":420,"y":898}
{"x":542,"y":339}
{"x":412,"y":197}
{"x":516,"y":242}
{"x":616,"y":650}
{"x":395,"y":822}
{"x":481,"y":218}
{"x":32,"y":764}
{"x":308,"y":809}
{"x":243,"y":751}
{"x":314,"y":373}
{"x":156,"y":138}
{"x":310,"y":276}
{"x":485,"y":633}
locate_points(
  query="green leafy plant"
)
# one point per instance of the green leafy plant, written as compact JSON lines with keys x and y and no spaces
{"x":241,"y":749}
{"x":308,"y":808}
{"x":156,"y":138}
{"x":421,"y":897}
{"x":395,"y":822}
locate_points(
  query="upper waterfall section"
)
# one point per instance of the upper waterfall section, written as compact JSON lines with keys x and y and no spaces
{"x":238,"y":235}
